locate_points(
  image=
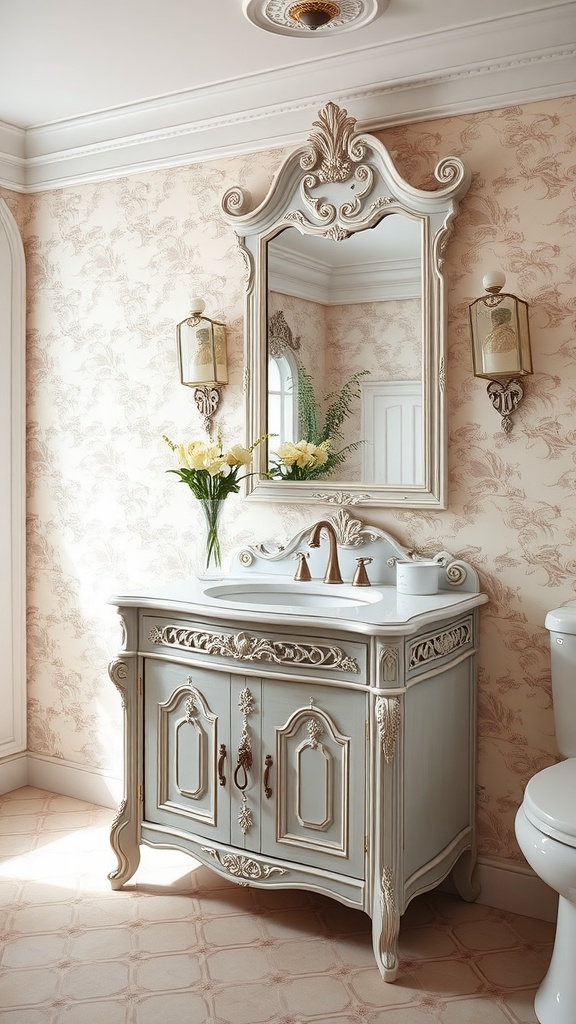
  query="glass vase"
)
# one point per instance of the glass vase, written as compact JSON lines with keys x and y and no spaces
{"x":210,"y":560}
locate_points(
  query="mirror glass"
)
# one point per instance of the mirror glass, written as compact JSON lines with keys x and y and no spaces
{"x":340,"y":309}
{"x":345,"y":329}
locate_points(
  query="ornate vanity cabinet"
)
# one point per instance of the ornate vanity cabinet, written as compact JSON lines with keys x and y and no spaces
{"x":305,"y":735}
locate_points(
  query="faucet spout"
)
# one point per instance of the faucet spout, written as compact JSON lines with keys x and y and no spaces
{"x":332,"y":568}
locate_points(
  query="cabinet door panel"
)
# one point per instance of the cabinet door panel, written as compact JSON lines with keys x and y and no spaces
{"x":186,"y":758}
{"x":316,"y":812}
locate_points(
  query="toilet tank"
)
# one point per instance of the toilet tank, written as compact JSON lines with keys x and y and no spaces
{"x":562,"y":626}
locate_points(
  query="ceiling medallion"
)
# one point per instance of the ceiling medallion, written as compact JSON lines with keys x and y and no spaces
{"x":320,"y":17}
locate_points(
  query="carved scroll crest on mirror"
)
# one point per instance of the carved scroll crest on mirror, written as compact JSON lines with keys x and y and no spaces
{"x":345,"y":325}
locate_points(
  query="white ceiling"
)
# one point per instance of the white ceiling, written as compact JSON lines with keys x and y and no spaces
{"x":105,"y":87}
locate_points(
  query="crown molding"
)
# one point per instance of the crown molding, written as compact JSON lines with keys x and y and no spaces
{"x":229,"y":118}
{"x":12,"y":157}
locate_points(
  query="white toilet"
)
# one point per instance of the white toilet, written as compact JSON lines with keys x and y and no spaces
{"x":546,"y":825}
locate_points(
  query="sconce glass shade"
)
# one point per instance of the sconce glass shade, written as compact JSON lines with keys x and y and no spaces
{"x":500,"y":336}
{"x":202,"y":358}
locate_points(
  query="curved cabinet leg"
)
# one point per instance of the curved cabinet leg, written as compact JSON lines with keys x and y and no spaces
{"x":462,"y":873}
{"x":386,"y":927}
{"x":124,"y":842}
{"x":125,"y":829}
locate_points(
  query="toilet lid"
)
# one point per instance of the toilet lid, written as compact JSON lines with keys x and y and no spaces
{"x":550,"y":801}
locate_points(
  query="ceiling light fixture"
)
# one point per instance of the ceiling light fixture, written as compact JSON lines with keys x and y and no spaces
{"x":314,"y":14}
{"x":318,"y":17}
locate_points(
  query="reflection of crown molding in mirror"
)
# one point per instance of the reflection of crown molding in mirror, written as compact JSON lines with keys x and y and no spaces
{"x":293,"y":274}
{"x":342,"y":183}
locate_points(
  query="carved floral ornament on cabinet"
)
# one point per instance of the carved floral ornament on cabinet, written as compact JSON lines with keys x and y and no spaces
{"x":343,"y":242}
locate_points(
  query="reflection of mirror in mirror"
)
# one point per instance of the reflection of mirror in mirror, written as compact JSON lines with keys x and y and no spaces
{"x":339,"y":307}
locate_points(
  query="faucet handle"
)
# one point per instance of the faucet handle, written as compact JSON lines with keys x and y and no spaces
{"x":361,"y":576}
{"x":303,"y":571}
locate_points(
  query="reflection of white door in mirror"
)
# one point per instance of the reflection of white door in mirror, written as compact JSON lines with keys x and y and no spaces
{"x":391,"y":424}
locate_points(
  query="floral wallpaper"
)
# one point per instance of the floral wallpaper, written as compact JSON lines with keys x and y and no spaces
{"x":111,"y":268}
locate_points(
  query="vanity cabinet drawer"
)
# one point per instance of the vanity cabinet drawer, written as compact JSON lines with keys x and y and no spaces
{"x":238,"y":650}
{"x":436,"y":648}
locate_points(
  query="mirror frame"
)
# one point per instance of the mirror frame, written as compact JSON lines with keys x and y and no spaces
{"x":341,"y":182}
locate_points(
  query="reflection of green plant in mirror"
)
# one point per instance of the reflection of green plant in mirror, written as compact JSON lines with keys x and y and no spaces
{"x":325,"y":436}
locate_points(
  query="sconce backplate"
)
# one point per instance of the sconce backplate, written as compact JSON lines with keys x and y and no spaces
{"x":207,"y":401}
{"x":505,"y":398}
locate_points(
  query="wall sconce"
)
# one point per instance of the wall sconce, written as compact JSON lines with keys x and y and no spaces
{"x":501,"y":345}
{"x":202,"y":359}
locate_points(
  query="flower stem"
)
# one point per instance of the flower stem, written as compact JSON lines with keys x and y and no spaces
{"x":212,"y":508}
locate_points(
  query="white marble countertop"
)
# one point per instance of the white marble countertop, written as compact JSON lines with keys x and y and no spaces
{"x":265,"y":599}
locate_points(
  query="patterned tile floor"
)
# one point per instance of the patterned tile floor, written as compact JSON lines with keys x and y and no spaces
{"x":179,"y":945}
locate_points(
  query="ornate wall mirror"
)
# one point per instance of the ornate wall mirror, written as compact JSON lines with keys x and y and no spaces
{"x":346,"y":322}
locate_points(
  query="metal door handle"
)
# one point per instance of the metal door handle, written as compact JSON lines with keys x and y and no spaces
{"x":268,"y":762}
{"x":244,"y":763}
{"x":220,"y":769}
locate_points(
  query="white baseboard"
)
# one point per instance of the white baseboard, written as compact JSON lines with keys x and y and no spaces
{"x":504,"y":885}
{"x":13,"y":772}
{"x":512,"y":887}
{"x":56,"y":776}
{"x":75,"y":780}
{"x":515,"y":888}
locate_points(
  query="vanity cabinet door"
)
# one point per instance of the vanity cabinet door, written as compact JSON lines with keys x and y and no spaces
{"x":314,"y":775}
{"x":186,"y":749}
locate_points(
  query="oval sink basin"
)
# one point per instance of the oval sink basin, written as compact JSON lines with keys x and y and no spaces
{"x":293,"y":595}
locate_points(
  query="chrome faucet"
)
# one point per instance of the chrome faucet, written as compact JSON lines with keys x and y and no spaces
{"x":332,"y":568}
